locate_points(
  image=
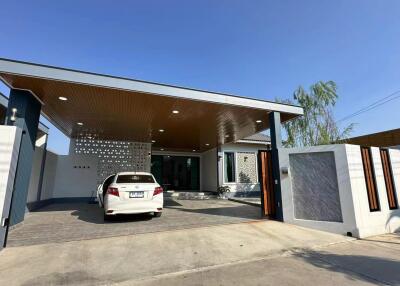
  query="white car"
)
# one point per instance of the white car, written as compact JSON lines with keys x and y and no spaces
{"x":130,"y":193}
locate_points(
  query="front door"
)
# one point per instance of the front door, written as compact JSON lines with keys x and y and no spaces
{"x":178,"y":173}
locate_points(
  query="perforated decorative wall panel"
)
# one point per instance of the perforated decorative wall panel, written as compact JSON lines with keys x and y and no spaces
{"x":246,"y":167}
{"x":115,"y":156}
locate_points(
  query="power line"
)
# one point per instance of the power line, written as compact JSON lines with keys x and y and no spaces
{"x":373,"y":105}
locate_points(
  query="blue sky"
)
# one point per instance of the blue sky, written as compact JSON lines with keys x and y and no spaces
{"x":261,"y":49}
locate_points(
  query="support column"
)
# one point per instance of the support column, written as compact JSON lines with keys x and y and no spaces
{"x":42,"y":167}
{"x":276,"y":143}
{"x":25,"y":117}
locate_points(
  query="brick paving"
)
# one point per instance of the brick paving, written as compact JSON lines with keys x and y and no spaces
{"x":80,"y":221}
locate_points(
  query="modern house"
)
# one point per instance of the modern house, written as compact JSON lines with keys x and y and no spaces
{"x":191,"y":140}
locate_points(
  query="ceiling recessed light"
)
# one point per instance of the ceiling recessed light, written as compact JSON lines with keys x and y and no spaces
{"x":161,"y":149}
{"x":207,"y":144}
{"x":258,"y":121}
{"x":161,"y":130}
{"x":79,"y":123}
{"x":62,"y":98}
{"x":175,"y":111}
{"x":193,"y":150}
{"x":153,"y":141}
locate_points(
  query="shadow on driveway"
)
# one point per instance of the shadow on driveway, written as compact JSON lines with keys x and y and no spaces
{"x":356,"y":267}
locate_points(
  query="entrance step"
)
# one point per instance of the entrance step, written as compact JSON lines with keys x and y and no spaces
{"x":190,"y":195}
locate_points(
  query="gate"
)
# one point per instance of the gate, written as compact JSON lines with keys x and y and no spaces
{"x":266,"y":183}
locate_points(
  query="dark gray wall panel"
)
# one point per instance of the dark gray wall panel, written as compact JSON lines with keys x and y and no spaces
{"x":315,"y":186}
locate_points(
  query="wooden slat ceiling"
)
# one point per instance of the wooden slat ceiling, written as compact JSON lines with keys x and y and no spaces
{"x":112,"y":114}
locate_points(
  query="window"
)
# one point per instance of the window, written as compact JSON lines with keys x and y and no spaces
{"x":229,"y":167}
{"x":130,"y":179}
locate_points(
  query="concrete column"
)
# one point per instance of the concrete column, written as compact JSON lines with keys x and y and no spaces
{"x":42,"y":166}
{"x":276,"y":143}
{"x":25,"y":117}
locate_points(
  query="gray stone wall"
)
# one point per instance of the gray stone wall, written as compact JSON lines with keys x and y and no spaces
{"x":315,"y":186}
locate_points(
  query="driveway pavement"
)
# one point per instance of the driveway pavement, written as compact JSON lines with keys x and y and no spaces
{"x":246,"y":252}
{"x":140,"y":258}
{"x":69,"y":222}
{"x":359,"y":262}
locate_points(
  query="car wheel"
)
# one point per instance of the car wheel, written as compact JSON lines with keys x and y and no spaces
{"x":107,"y":217}
{"x":157,"y":214}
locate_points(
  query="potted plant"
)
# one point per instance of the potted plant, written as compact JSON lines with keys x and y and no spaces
{"x":222,"y":191}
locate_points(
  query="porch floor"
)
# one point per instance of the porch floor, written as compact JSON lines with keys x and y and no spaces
{"x":79,"y":221}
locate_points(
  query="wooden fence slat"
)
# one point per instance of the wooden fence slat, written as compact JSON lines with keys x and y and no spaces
{"x":370,"y":180}
{"x":388,"y":175}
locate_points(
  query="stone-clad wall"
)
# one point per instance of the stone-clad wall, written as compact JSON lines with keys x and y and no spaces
{"x":315,"y":186}
{"x":325,"y":189}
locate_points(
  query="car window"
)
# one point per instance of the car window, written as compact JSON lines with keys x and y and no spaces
{"x":107,"y":182}
{"x":126,"y":179}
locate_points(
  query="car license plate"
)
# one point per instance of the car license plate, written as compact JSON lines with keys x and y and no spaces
{"x":136,"y":194}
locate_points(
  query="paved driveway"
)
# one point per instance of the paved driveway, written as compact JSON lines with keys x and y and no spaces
{"x":69,"y":222}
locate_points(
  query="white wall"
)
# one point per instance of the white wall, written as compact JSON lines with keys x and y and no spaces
{"x":344,"y":186}
{"x":35,"y":175}
{"x":357,"y":218}
{"x":240,"y":147}
{"x":377,"y":222}
{"x":10,"y":137}
{"x":49,"y":175}
{"x":393,"y":219}
{"x":208,"y":170}
{"x":76,"y":176}
{"x":62,"y":180}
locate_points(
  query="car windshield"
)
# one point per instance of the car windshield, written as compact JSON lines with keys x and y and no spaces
{"x":126,"y":179}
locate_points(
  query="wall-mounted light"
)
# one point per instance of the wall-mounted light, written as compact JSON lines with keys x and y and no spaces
{"x":13,"y":117}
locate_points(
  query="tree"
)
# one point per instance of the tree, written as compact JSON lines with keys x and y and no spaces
{"x":317,"y":126}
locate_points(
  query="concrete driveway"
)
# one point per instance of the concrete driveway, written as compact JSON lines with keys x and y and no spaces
{"x":228,"y":248}
{"x":143,"y":257}
{"x":69,"y":222}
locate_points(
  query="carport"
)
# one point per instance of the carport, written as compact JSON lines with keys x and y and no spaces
{"x":102,"y":112}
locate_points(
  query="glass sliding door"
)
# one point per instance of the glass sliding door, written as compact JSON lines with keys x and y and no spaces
{"x":178,"y":173}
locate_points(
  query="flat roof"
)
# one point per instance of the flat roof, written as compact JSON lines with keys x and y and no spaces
{"x":118,"y":108}
{"x":388,"y":138}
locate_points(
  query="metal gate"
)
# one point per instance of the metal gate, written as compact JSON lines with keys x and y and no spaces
{"x":266,"y":183}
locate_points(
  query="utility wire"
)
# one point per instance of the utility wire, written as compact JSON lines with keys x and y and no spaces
{"x":376,"y":104}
